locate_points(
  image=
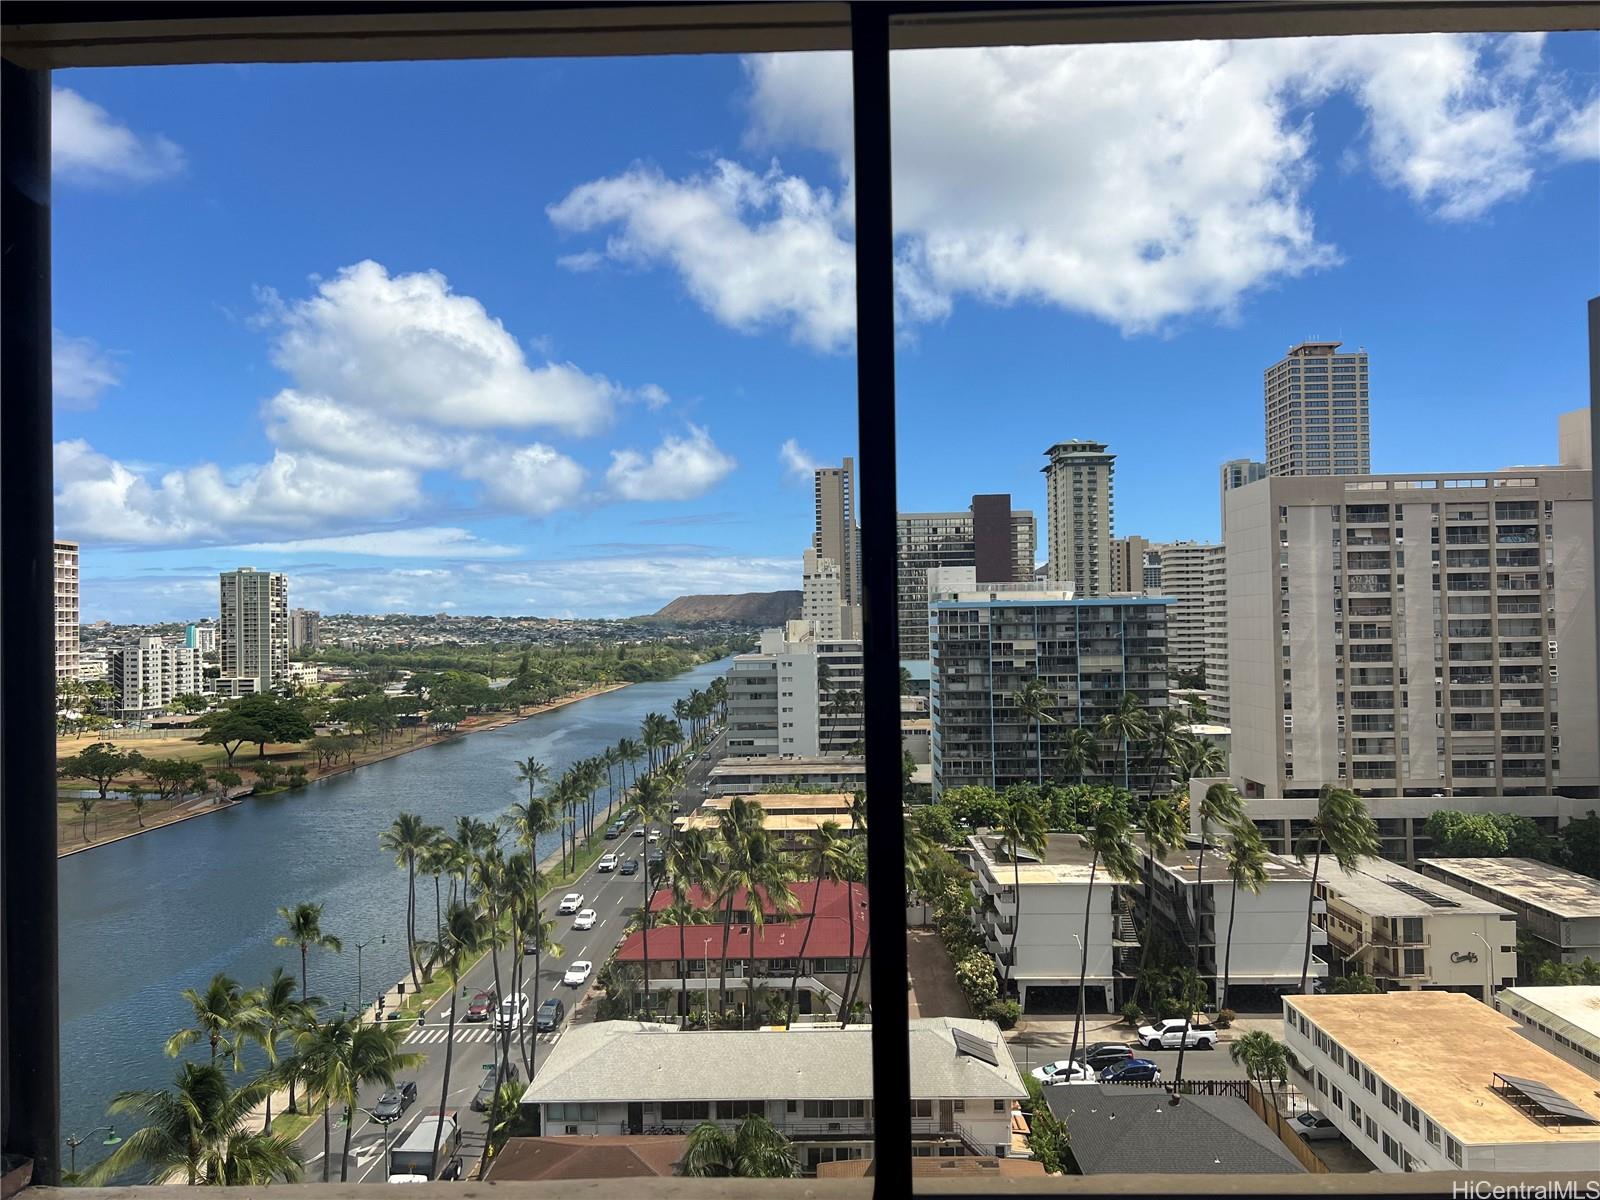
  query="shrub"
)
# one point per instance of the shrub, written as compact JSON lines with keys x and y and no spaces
{"x":1004,"y":1013}
{"x":1132,"y":1013}
{"x":1225,"y":1018}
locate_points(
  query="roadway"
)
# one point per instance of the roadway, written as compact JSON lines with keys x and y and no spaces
{"x":1035,"y":1049}
{"x":614,"y":898}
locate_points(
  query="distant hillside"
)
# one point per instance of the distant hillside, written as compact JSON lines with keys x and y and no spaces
{"x":749,"y":608}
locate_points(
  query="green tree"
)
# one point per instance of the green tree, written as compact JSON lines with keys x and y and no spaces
{"x":102,"y":764}
{"x":1465,"y":835}
{"x":1047,"y":1133}
{"x":224,"y":1017}
{"x":462,"y":940}
{"x":1107,"y":838}
{"x":1266,"y":1062}
{"x":750,"y":865}
{"x":280,"y":1013}
{"x":1076,"y":752}
{"x":1219,"y":807}
{"x":1246,"y":853}
{"x":303,"y":928}
{"x":691,"y":869}
{"x":755,"y":1150}
{"x":1357,"y":984}
{"x":339,"y":1057}
{"x":408,"y":837}
{"x":1127,"y":723}
{"x":1033,"y":704}
{"x":654,"y":801}
{"x":1021,"y":828}
{"x":1162,"y":830}
{"x":1343,"y":828}
{"x":1578,"y":845}
{"x":822,"y":861}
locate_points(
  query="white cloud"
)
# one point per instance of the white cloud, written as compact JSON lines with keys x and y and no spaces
{"x":80,"y":370}
{"x":680,"y":468}
{"x":799,"y":464}
{"x":533,"y":480}
{"x":88,"y":145}
{"x":425,"y":542}
{"x":1578,"y":136}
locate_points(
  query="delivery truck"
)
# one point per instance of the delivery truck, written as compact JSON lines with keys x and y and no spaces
{"x":413,"y":1160}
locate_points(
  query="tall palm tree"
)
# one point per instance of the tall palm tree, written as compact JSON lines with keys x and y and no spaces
{"x":691,"y":865}
{"x":198,"y":1129}
{"x":751,"y":863}
{"x":1076,"y":752}
{"x":1107,"y":838}
{"x":437,"y":860}
{"x":1166,"y":739}
{"x":1021,"y":826}
{"x":1162,"y":830}
{"x":281,"y":1011}
{"x":224,"y":1016}
{"x":533,"y":773}
{"x":1126,"y":724}
{"x":304,"y":929}
{"x":853,"y":870}
{"x":1220,"y":806}
{"x":1033,"y":704}
{"x":465,"y":930}
{"x":1343,"y":828}
{"x":338,"y":1058}
{"x":756,"y":1150}
{"x":822,"y":861}
{"x":1246,"y":853}
{"x":654,"y":799}
{"x":1200,"y":758}
{"x":1265,"y":1060}
{"x":406,"y":839}
{"x":630,"y":751}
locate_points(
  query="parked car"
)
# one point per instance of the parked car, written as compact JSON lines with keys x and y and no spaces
{"x":1135,"y":1070}
{"x":551,"y":1011}
{"x":584,"y":920}
{"x":1100,"y":1055}
{"x":658,"y":858}
{"x":570,"y":903}
{"x":1315,"y":1127}
{"x":481,"y":1008}
{"x":492,"y":1079}
{"x":613,"y":831}
{"x":578,"y":973}
{"x":1168,"y":1035}
{"x":1061,"y":1071}
{"x":395,"y":1101}
{"x":608,"y":862}
{"x":630,"y":866}
{"x":513,"y":1012}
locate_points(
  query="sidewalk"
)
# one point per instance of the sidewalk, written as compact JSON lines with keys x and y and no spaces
{"x":1109,"y":1027}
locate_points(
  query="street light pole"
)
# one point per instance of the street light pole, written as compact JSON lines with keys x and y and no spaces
{"x":74,"y":1141}
{"x":360,"y":946}
{"x":1488,"y":954}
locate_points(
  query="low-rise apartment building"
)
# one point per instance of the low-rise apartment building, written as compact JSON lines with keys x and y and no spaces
{"x":1408,"y":931}
{"x":813,"y":1083}
{"x":1043,"y":900}
{"x":1564,"y":1020}
{"x":1558,"y":907}
{"x":797,"y":694}
{"x":1436,"y":1081}
{"x":146,"y":678}
{"x":791,"y":829}
{"x":743,"y":775}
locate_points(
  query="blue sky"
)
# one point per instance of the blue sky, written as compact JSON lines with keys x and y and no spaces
{"x":562,"y":337}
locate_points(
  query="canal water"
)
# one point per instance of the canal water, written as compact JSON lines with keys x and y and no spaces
{"x":143,"y":918}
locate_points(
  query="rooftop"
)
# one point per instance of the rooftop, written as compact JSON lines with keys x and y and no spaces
{"x":598,"y":1157}
{"x":1527,"y":881}
{"x":967,"y":1168}
{"x":827,"y":764}
{"x":774,"y":802}
{"x":1065,"y":859}
{"x":1573,"y":1011}
{"x":621,"y":1061}
{"x":777,"y":822}
{"x":1381,"y":888}
{"x":1441,"y":1051}
{"x":1185,"y":864}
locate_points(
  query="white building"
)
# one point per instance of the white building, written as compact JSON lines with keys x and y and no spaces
{"x":743,"y":775}
{"x":201,"y":636}
{"x":812,"y":1082}
{"x":254,"y":631}
{"x":1408,"y":931}
{"x":145,"y":678}
{"x":1564,"y":1020}
{"x":1436,"y":1081}
{"x":66,"y":593}
{"x":1237,"y":472}
{"x":1054,"y":893}
{"x":996,"y":542}
{"x":797,"y":694}
{"x":1191,"y":573}
{"x":1559,"y":907}
{"x":1079,"y":501}
{"x":301,"y":675}
{"x":822,"y":599}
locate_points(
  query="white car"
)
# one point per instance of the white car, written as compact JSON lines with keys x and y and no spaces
{"x":584,"y":920}
{"x":1063,"y":1070}
{"x":1168,"y":1035}
{"x":655,"y":836}
{"x":578,"y":973}
{"x":570,"y":903}
{"x":1315,"y":1127}
{"x":608,"y":862}
{"x":513,"y":1012}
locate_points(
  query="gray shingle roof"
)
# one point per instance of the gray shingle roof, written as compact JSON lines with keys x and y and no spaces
{"x":634,"y":1060}
{"x":1121,"y":1129}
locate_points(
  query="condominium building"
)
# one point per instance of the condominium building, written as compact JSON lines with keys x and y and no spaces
{"x":1237,"y":472}
{"x":254,"y":629}
{"x":1052,"y":893}
{"x":995,"y":540}
{"x":1316,"y":407}
{"x":813,"y":1083}
{"x":739,"y":775}
{"x":1133,"y":565}
{"x":798,"y":694}
{"x":1408,"y":931}
{"x":66,"y":589}
{"x":1190,"y":574}
{"x":822,"y":599}
{"x":146,"y":678}
{"x":201,"y":636}
{"x":94,"y":665}
{"x":1455,"y":671}
{"x":303,"y":629}
{"x":989,"y":644}
{"x":1078,"y":490}
{"x":1215,"y":609}
{"x":1559,"y":908}
{"x":1195,"y":906}
{"x":1563,"y":1020}
{"x":1436,"y":1081}
{"x":835,"y":534}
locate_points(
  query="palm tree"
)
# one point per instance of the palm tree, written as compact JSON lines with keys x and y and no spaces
{"x":630,"y":751}
{"x":1033,"y":704}
{"x":1343,"y":828}
{"x":1076,"y":752}
{"x":853,"y":870}
{"x":462,"y":938}
{"x":1161,"y":829}
{"x":1166,"y":738}
{"x":1247,"y":868}
{"x":1265,"y":1060}
{"x":1107,"y":840}
{"x":1021,"y":827}
{"x":406,"y":839}
{"x":437,"y":860}
{"x":751,"y":864}
{"x":338,"y":1058}
{"x":280,"y":1012}
{"x":822,"y":861}
{"x":691,"y":863}
{"x":1219,"y":806}
{"x":541,"y":935}
{"x":1202,"y":758}
{"x":197,"y":1128}
{"x":755,"y":1150}
{"x":304,"y":923}
{"x":533,"y":773}
{"x":224,"y":1017}
{"x":1126,"y":724}
{"x":655,"y":805}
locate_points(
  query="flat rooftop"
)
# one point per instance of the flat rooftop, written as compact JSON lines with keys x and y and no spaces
{"x":777,"y":802}
{"x":1539,"y":885}
{"x":1572,"y":1011}
{"x":1065,"y":859}
{"x":822,"y":765}
{"x":1185,"y":864}
{"x":777,"y":822}
{"x":1381,"y":888}
{"x":1441,"y":1050}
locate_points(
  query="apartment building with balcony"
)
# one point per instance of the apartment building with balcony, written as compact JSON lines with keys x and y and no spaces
{"x":744,"y":774}
{"x":1191,"y":573}
{"x":253,"y":629}
{"x":1410,"y":932}
{"x":1558,"y":907}
{"x":1051,"y":894}
{"x":797,"y":694}
{"x":1414,"y":635}
{"x":1436,"y":1081}
{"x":1192,"y":907}
{"x":145,"y":678}
{"x":66,"y":592}
{"x":813,"y":1083}
{"x":1079,"y":509}
{"x":998,"y":542}
{"x":822,"y":598}
{"x":989,"y":644}
{"x":1563,"y":1020}
{"x":1317,"y":418}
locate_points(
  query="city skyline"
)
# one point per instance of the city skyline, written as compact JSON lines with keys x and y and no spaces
{"x":376,"y":497}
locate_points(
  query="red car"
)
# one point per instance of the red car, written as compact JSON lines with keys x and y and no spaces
{"x":481,"y":1008}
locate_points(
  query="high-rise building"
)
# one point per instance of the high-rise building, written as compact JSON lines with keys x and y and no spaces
{"x":797,"y":694}
{"x":836,"y":534}
{"x":1237,"y":472}
{"x":1412,"y":635}
{"x":988,"y":644}
{"x":1216,"y":636}
{"x":1078,"y":487}
{"x":303,"y":628}
{"x":254,"y":629}
{"x":995,"y":540}
{"x":66,"y":588}
{"x":1130,"y":565}
{"x":1316,"y":406}
{"x":1187,"y":570}
{"x":201,"y":636}
{"x":145,"y":678}
{"x":822,"y":600}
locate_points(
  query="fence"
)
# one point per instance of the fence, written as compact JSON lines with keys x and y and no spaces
{"x":1238,"y":1089}
{"x":1291,"y":1140}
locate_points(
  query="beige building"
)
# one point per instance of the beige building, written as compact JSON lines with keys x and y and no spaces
{"x":1316,"y":407}
{"x":797,"y":694}
{"x":1564,"y":1020}
{"x":1128,"y":563}
{"x":744,"y":774}
{"x":1078,"y":490}
{"x":1410,"y":932}
{"x":1237,"y":472}
{"x":1191,"y":572}
{"x":1407,"y":634}
{"x":254,"y":631}
{"x":1558,"y":907}
{"x":836,"y":534}
{"x":996,"y":541}
{"x":66,"y":589}
{"x":822,"y":599}
{"x":1216,"y":636}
